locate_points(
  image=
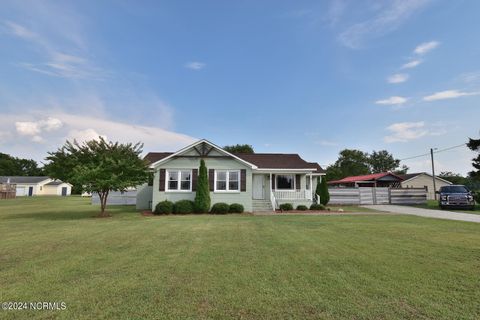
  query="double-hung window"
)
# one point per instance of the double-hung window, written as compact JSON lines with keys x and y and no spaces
{"x":285,"y":182}
{"x":179,"y":180}
{"x":227,"y":180}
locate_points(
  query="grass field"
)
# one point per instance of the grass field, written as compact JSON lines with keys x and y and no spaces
{"x":433,"y":204}
{"x":235,"y":266}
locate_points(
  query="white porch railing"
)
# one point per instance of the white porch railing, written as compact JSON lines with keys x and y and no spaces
{"x":273,"y":201}
{"x":293,"y":195}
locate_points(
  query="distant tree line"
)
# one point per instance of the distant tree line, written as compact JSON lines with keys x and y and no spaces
{"x":352,"y":162}
{"x":12,"y":166}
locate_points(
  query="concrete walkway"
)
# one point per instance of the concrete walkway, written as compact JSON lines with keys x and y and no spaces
{"x":429,"y":213}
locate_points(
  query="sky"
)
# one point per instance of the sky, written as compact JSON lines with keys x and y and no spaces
{"x":307,"y":77}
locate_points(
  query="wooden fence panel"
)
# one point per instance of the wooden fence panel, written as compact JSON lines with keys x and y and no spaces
{"x":344,"y":196}
{"x":408,"y":196}
{"x":368,"y":195}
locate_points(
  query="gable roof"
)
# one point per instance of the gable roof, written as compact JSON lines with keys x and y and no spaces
{"x":56,"y":183}
{"x":409,"y":176}
{"x":367,"y":177}
{"x":179,"y":152}
{"x":255,"y":160}
{"x":23,"y":179}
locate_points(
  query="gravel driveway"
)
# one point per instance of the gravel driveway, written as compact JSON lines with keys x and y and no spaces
{"x":440,"y":214}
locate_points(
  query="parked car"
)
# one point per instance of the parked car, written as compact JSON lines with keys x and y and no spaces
{"x":456,"y":196}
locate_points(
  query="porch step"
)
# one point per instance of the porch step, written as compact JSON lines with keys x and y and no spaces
{"x":261,"y":205}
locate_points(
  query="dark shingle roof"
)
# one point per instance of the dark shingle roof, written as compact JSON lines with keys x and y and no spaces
{"x":261,"y":160}
{"x":54,"y":183}
{"x":153,"y":157}
{"x":19,"y":179}
{"x":278,"y":161}
{"x":410,"y":175}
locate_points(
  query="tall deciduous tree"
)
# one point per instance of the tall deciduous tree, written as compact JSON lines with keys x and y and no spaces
{"x":382,"y":161}
{"x":99,"y":166}
{"x":349,"y":163}
{"x":12,"y":166}
{"x":202,"y":195}
{"x":474,"y":145}
{"x":239,"y":148}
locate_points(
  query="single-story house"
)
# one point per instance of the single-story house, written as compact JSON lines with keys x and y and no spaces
{"x":37,"y":186}
{"x":258,"y":181}
{"x":384,"y":179}
{"x":423,"y":180}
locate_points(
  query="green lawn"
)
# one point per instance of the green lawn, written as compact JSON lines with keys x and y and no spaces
{"x":433,"y":204}
{"x":235,"y":266}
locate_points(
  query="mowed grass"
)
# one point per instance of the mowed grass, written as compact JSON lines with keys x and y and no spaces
{"x":235,"y":266}
{"x":433,"y":204}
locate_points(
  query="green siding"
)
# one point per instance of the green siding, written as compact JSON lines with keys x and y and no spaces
{"x":244,"y":198}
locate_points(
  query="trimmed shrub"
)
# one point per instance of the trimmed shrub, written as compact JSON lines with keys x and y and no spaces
{"x":316,"y":206}
{"x":476,"y":195}
{"x":183,"y":206}
{"x":322,"y":191}
{"x":202,"y":195}
{"x":164,"y":207}
{"x":235,"y":208}
{"x":302,"y":207}
{"x":220,"y":208}
{"x":286,"y":207}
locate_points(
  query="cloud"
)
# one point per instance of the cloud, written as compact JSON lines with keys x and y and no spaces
{"x":395,"y":100}
{"x":388,"y":19}
{"x":448,"y":94}
{"x":469,"y":77}
{"x":326,"y":143}
{"x":57,"y":62}
{"x":398,"y":78}
{"x":412,"y":64}
{"x":335,"y":11}
{"x":425,"y":47}
{"x":405,"y":131}
{"x":195,"y":65}
{"x":84,"y":135}
{"x":32,"y":129}
{"x":35,"y":128}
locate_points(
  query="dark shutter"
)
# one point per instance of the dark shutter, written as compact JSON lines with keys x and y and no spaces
{"x":243,"y":180}
{"x":273,"y":182}
{"x":297,"y":181}
{"x":211,"y":181}
{"x":161,"y":183}
{"x":194,"y":179}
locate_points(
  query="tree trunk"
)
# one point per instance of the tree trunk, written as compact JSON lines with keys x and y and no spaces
{"x":103,"y":203}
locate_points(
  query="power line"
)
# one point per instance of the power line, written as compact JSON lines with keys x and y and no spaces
{"x":436,"y":151}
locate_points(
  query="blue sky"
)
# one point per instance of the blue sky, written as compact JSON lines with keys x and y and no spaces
{"x":310,"y":77}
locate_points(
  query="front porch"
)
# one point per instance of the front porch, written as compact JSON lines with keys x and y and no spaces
{"x":275,"y":188}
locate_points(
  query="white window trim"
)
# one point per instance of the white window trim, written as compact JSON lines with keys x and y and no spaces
{"x":227,"y":181}
{"x":167,"y":171}
{"x":294,"y":182}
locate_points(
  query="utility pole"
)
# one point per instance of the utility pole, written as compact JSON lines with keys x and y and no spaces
{"x":433,"y":175}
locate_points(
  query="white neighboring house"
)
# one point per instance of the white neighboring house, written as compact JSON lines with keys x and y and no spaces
{"x":38,"y":186}
{"x":423,"y":180}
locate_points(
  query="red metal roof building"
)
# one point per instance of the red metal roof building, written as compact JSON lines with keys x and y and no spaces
{"x":384,"y":179}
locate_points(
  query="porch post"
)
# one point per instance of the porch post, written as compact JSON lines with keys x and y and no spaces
{"x":271,"y":190}
{"x":311,"y":187}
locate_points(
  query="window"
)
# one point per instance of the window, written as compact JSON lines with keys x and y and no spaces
{"x":227,"y":180}
{"x":285,"y":182}
{"x":179,"y":180}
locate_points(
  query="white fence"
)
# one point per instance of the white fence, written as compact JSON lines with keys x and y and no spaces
{"x":117,"y":198}
{"x":367,"y":195}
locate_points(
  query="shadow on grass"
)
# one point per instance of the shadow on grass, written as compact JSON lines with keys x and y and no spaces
{"x":123,"y":211}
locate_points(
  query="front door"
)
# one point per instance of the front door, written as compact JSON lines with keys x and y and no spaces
{"x":30,"y":191}
{"x":64,"y":191}
{"x":258,"y":186}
